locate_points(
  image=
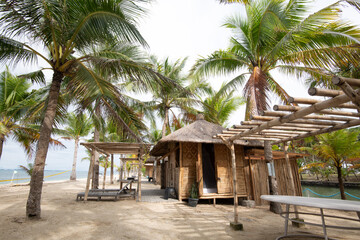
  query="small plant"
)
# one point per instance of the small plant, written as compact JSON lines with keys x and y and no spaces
{"x":194,"y":192}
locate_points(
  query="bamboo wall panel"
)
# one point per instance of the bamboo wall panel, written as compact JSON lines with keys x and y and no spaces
{"x":248,"y":180}
{"x":189,"y":158}
{"x":176,"y":180}
{"x":158,"y":174}
{"x":282,"y":177}
{"x":240,"y":173}
{"x":223,"y":168}
{"x":297,"y":181}
{"x":261,"y":183}
{"x":149,"y":171}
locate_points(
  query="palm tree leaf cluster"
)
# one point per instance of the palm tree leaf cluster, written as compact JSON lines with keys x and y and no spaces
{"x":282,"y":35}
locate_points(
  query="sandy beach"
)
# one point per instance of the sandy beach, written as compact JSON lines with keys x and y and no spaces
{"x":64,"y":218}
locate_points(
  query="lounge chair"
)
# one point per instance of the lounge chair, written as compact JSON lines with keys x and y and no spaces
{"x":109,"y":193}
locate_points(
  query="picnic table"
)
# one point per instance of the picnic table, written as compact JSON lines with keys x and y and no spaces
{"x":335,"y":204}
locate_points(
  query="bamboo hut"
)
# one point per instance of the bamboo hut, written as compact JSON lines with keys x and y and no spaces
{"x":191,"y":155}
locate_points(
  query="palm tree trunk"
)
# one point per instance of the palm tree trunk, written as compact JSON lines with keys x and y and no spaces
{"x":33,"y":209}
{"x":2,"y":139}
{"x":96,"y":154}
{"x":341,"y":183}
{"x":166,"y":122}
{"x":73,"y":171}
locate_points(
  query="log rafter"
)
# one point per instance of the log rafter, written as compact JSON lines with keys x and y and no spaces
{"x":289,"y":123}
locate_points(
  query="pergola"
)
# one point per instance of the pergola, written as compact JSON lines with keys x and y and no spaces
{"x":111,"y":148}
{"x":305,"y":117}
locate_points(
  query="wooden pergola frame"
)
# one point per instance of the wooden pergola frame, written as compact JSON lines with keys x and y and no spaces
{"x":280,"y":126}
{"x":111,"y":148}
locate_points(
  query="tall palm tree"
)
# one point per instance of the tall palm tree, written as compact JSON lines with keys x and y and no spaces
{"x":165,"y":97}
{"x":77,"y":126}
{"x":279,"y":34}
{"x":336,"y":148}
{"x":65,"y":29}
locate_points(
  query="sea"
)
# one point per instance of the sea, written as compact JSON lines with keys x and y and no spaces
{"x":20,"y":176}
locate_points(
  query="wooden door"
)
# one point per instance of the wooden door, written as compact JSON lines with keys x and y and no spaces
{"x":223,"y":169}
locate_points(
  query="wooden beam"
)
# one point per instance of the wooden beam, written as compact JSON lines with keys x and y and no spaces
{"x":324,"y":92}
{"x":269,"y":131}
{"x":317,"y":117}
{"x":324,"y":130}
{"x":296,"y":115}
{"x":313,"y":101}
{"x":344,"y":85}
{"x":303,"y":121}
{"x":282,"y":127}
{"x":289,"y":108}
{"x":167,"y":154}
{"x":350,"y":81}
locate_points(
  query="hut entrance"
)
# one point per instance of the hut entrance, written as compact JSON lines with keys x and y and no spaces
{"x":208,"y":165}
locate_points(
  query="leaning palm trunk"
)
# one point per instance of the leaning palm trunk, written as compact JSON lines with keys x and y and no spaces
{"x":73,"y":171}
{"x":95,"y":182}
{"x":166,"y":122}
{"x":2,"y":139}
{"x":341,"y":183}
{"x":33,"y":203}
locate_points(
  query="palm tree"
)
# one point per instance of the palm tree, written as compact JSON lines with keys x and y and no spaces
{"x":77,"y":126}
{"x":28,"y":169}
{"x":219,"y":105}
{"x":15,"y":100}
{"x":165,"y":98}
{"x":280,"y":35}
{"x":65,"y":29}
{"x":336,"y":148}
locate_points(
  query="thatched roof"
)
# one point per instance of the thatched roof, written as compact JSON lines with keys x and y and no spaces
{"x":200,"y":131}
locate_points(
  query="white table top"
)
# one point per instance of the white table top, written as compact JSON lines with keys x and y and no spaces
{"x":326,"y":203}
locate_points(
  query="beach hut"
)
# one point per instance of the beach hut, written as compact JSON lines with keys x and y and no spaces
{"x":192,"y":155}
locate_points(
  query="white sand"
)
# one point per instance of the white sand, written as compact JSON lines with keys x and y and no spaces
{"x":64,"y":218}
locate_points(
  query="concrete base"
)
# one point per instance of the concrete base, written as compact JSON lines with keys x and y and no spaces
{"x":296,"y":224}
{"x":236,"y":226}
{"x":248,"y":203}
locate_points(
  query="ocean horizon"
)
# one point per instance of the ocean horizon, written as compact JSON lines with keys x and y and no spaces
{"x":20,"y":176}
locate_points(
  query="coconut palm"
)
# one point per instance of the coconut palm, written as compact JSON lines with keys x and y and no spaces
{"x":15,"y":100}
{"x":219,"y":105}
{"x":278,"y":34}
{"x":65,"y":29}
{"x":77,"y":126}
{"x":165,"y":98}
{"x":335,"y":149}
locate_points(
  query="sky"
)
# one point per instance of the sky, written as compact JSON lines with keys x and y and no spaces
{"x":174,"y":29}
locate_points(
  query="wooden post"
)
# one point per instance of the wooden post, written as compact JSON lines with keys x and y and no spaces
{"x":233,"y":162}
{"x":274,"y":207}
{"x":199,"y":172}
{"x":91,"y":166}
{"x":139,"y":176}
{"x":112,"y":170}
{"x":106,"y":165}
{"x":121,"y":172}
{"x":180,"y":172}
{"x":288,"y":165}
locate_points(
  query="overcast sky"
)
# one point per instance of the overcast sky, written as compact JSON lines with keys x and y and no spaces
{"x":175,"y":29}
